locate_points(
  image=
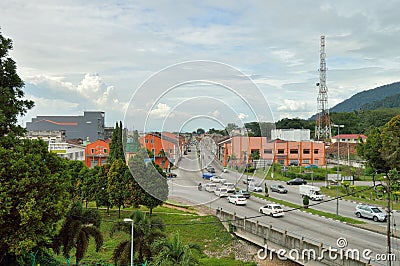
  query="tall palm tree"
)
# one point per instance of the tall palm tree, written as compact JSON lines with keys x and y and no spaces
{"x":172,"y":251}
{"x":146,"y":230}
{"x":79,"y":226}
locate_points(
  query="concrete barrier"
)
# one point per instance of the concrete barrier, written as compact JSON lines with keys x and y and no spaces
{"x":304,"y":251}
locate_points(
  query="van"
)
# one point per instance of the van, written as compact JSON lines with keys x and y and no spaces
{"x":230,"y":187}
{"x":221,"y":192}
{"x":210,"y":187}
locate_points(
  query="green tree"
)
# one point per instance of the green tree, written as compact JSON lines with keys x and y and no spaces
{"x":79,"y":226}
{"x":11,"y":103}
{"x":116,"y":145}
{"x":172,"y":251}
{"x":117,"y":184}
{"x":146,"y":230}
{"x":33,"y":195}
{"x":390,"y":149}
{"x":75,"y":173}
{"x":200,"y":131}
{"x":89,"y":183}
{"x":102,"y":196}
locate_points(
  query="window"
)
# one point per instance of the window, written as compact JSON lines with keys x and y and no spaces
{"x":281,"y":151}
{"x":146,"y":141}
{"x":294,"y":151}
{"x":306,"y":151}
{"x":153,"y":151}
{"x":170,"y":150}
{"x":316,"y":151}
{"x":268,"y":151}
{"x":152,"y":141}
{"x":306,"y":161}
{"x":92,"y":151}
{"x":316,"y":162}
{"x":105,"y":150}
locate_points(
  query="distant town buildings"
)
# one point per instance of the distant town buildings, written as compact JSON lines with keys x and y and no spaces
{"x":48,"y":136}
{"x":68,"y":151}
{"x":96,"y":153}
{"x":89,"y":127}
{"x":291,"y":134}
{"x":349,"y":138}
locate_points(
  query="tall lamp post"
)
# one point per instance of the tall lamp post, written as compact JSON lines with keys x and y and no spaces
{"x":129,"y":220}
{"x":337,"y":177}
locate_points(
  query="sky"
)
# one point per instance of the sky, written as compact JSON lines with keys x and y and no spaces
{"x":180,"y":65}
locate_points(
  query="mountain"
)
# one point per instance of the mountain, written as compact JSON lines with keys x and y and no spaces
{"x":388,"y":102}
{"x":366,"y":99}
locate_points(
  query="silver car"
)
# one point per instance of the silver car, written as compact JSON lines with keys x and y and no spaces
{"x":370,"y":212}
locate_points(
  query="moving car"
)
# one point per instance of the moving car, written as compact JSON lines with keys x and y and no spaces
{"x":312,"y":192}
{"x":242,"y":192}
{"x":249,"y":179}
{"x":230,"y":187}
{"x":237,"y":199}
{"x":278,"y":188}
{"x":272,"y":209}
{"x":254,"y":187}
{"x":217,"y":179}
{"x":297,"y":181}
{"x":207,"y":175}
{"x":221,"y":192}
{"x":171,"y":175}
{"x":370,"y":212}
{"x":211,"y":169}
{"x":210,"y":187}
{"x":225,"y":170}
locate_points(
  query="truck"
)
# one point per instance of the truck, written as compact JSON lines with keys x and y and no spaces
{"x":312,"y":192}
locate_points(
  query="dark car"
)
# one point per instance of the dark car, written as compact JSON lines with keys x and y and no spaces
{"x":278,"y":188}
{"x":211,"y":169}
{"x":243,"y":192}
{"x":171,"y":175}
{"x":297,"y":181}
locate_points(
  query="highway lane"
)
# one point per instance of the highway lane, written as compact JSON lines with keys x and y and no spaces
{"x":310,"y":226}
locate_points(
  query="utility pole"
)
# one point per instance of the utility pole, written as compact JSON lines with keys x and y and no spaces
{"x":337,"y":177}
{"x":388,"y":233}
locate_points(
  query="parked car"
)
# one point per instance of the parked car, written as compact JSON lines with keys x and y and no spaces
{"x":225,"y":170}
{"x":210,"y":187}
{"x":207,"y":175}
{"x":230,"y":187}
{"x":272,"y":209}
{"x":297,"y":181}
{"x":221,"y":192}
{"x":217,"y":179}
{"x":278,"y":188}
{"x":370,"y":212}
{"x":243,"y":192}
{"x":254,"y":187}
{"x":237,"y":199}
{"x":249,"y":179}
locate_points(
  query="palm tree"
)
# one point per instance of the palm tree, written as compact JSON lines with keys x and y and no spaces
{"x":146,"y":230}
{"x":79,"y":226}
{"x":173,"y":252}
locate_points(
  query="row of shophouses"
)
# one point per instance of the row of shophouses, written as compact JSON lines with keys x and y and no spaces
{"x":235,"y":151}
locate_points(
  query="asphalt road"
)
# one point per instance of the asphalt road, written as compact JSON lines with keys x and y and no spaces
{"x":318,"y":229}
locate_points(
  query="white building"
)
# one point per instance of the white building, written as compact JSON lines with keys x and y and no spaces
{"x":291,"y":134}
{"x":68,"y":151}
{"x":48,"y":136}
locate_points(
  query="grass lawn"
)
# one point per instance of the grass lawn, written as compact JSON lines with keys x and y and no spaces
{"x":205,"y":231}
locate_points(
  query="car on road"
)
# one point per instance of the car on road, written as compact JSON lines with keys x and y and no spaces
{"x":297,"y":181}
{"x":249,"y":179}
{"x":371,"y":212}
{"x":171,"y":175}
{"x":221,"y":192}
{"x":211,"y":169}
{"x":210,"y":187}
{"x":272,"y":209}
{"x":255,"y":188}
{"x":230,"y":187}
{"x":225,"y":170}
{"x":217,"y":179}
{"x":237,"y":199}
{"x":242,"y":192}
{"x":278,"y":188}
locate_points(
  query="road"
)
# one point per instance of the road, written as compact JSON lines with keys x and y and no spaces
{"x":313,"y":227}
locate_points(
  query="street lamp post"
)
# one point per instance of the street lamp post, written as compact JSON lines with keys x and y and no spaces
{"x":337,"y":177}
{"x":128,"y":220}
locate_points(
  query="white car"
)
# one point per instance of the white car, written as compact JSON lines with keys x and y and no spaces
{"x":225,"y":170}
{"x":254,"y":187}
{"x":210,"y":187}
{"x":217,"y":179}
{"x":272,"y":209}
{"x":248,"y":179}
{"x":230,"y":187}
{"x":221,"y":192}
{"x":237,"y":199}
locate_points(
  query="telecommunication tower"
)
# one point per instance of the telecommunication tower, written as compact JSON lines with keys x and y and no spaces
{"x":323,"y":121}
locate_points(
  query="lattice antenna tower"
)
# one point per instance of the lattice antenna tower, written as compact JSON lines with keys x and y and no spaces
{"x":323,"y":121}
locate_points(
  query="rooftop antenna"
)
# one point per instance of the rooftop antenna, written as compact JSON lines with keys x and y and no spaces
{"x":323,"y":124}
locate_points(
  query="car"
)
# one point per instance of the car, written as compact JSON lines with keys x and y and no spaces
{"x":278,"y":188}
{"x":207,"y":175}
{"x":255,"y":188}
{"x":297,"y":181}
{"x":211,"y":169}
{"x":171,"y":175}
{"x":272,"y":209}
{"x":225,"y":170}
{"x":217,"y":179}
{"x":371,"y":212}
{"x":237,"y":199}
{"x":221,"y":192}
{"x":230,"y":187}
{"x":249,"y":179}
{"x":310,"y":166}
{"x":242,"y":192}
{"x":210,"y":187}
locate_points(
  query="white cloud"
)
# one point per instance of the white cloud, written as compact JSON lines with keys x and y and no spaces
{"x":242,"y":116}
{"x":161,"y":111}
{"x":293,"y":105}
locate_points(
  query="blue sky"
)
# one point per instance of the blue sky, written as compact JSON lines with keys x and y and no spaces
{"x":95,"y":55}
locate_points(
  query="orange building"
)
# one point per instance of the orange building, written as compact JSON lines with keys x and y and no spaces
{"x":166,"y":148}
{"x":96,"y":153}
{"x":239,"y":151}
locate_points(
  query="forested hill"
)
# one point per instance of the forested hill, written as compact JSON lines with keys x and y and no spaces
{"x":357,"y":101}
{"x":388,"y":102}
